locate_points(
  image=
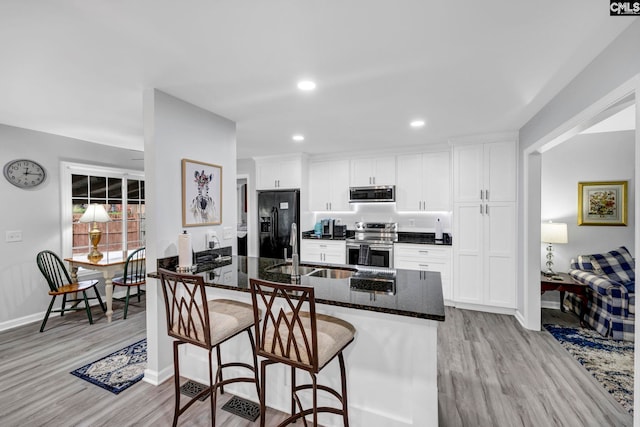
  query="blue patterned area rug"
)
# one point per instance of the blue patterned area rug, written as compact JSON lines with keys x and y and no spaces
{"x":117,"y":371}
{"x":609,"y":361}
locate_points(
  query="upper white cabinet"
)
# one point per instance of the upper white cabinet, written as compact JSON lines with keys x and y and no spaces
{"x":424,"y":182}
{"x":485,"y":172}
{"x":329,"y":186}
{"x":274,"y":173}
{"x":373,"y":171}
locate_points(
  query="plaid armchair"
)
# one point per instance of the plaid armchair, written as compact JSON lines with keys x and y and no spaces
{"x":610,"y":278}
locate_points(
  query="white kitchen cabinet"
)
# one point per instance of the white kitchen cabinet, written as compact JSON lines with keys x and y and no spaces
{"x":426,"y":258}
{"x":373,"y":171}
{"x":424,"y":182}
{"x":274,"y":173}
{"x":484,"y":263}
{"x":329,"y":186}
{"x":485,"y":172}
{"x":323,"y":251}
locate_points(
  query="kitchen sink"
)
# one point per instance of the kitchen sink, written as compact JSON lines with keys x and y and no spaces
{"x":332,"y":273}
{"x":314,"y":270}
{"x":288,"y":269}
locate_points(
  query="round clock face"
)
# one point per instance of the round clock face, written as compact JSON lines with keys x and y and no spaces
{"x":24,"y":173}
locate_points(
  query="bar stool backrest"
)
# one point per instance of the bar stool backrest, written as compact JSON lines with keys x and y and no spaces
{"x":186,"y":307}
{"x":287,"y":335}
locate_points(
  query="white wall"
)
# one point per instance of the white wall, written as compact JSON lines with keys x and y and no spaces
{"x":175,"y":130}
{"x":37,"y":212}
{"x":590,"y":157}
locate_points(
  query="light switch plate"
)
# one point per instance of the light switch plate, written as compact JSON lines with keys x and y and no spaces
{"x":14,"y":236}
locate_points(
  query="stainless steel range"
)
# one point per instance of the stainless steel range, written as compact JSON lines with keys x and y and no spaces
{"x":372,"y":244}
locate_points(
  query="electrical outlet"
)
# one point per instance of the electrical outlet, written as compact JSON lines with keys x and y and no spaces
{"x":228,"y":233}
{"x":14,"y":236}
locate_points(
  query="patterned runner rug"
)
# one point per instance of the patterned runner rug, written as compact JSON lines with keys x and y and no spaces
{"x":117,"y":371}
{"x":609,"y":361}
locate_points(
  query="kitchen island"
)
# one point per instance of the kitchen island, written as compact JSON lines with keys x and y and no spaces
{"x":392,"y":363}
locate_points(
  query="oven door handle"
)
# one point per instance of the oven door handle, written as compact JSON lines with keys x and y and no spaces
{"x":381,"y":248}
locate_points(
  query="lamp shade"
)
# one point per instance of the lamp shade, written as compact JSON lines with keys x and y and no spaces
{"x":554,"y":232}
{"x":95,"y":213}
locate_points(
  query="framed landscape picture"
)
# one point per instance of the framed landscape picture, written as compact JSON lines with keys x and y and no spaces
{"x":602,"y":203}
{"x":201,"y":193}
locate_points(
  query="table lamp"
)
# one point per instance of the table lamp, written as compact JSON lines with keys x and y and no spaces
{"x":550,"y":233}
{"x":95,"y":213}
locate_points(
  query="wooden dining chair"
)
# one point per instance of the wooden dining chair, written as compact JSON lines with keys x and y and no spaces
{"x":191,"y":319}
{"x":134,"y":275}
{"x":60,"y":283}
{"x":299,"y":337}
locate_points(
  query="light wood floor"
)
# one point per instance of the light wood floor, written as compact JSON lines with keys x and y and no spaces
{"x":491,"y":372}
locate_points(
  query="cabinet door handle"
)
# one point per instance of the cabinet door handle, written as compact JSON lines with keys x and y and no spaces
{"x":423,"y":252}
{"x":481,"y":198}
{"x":424,"y":265}
{"x":481,"y":212}
{"x":486,"y":195}
{"x":374,"y":180}
{"x":330,"y":206}
{"x":486,"y":210}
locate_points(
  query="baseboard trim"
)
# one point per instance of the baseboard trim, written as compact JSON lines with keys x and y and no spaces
{"x":21,"y":321}
{"x":486,"y":308}
{"x":38,"y":317}
{"x":156,"y":378}
{"x":554,"y":305}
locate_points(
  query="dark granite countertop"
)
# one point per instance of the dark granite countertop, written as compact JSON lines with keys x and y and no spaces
{"x":410,"y":293}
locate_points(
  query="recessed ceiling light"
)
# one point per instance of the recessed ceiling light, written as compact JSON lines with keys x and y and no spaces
{"x":306,"y":85}
{"x":298,"y":138}
{"x":417,"y":123}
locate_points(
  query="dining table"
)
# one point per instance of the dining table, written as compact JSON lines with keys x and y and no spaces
{"x":109,"y":266}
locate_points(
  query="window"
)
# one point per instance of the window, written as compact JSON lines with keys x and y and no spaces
{"x":121,"y":192}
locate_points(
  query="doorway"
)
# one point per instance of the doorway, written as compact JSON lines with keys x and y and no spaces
{"x":605,"y":151}
{"x":530,"y":317}
{"x":242,"y":228}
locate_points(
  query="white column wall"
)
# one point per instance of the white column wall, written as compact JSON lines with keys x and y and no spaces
{"x":175,"y":130}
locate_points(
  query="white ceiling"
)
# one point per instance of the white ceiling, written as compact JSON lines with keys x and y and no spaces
{"x":78,"y":68}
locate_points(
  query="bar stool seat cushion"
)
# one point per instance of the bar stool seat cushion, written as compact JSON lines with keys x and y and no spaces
{"x":333,"y":335}
{"x":227,"y":318}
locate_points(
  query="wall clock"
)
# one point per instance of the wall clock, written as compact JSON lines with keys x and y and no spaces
{"x":24,"y":173}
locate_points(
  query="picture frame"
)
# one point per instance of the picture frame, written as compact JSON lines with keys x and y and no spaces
{"x":602,"y":203}
{"x":201,"y":193}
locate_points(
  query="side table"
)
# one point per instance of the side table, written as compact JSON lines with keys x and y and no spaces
{"x":564,"y":283}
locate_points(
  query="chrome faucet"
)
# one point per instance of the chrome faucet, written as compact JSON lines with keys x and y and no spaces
{"x":295,"y":261}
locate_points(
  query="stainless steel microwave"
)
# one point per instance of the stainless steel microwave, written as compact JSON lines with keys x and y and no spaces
{"x":381,"y":193}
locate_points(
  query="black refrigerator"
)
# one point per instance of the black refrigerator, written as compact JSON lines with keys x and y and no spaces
{"x":277,"y":210}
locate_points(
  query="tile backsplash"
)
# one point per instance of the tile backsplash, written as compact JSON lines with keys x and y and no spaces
{"x":386,"y":212}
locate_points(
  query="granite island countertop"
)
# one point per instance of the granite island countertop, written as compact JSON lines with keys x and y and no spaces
{"x":399,"y":292}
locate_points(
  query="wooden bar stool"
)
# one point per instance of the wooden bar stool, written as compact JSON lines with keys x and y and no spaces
{"x":301,"y":339}
{"x":191,"y":319}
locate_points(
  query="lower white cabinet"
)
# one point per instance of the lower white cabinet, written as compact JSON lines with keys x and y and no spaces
{"x":410,"y":256}
{"x":323,"y":251}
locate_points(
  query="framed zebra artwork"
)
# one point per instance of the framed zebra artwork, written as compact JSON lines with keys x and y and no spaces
{"x":201,"y":193}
